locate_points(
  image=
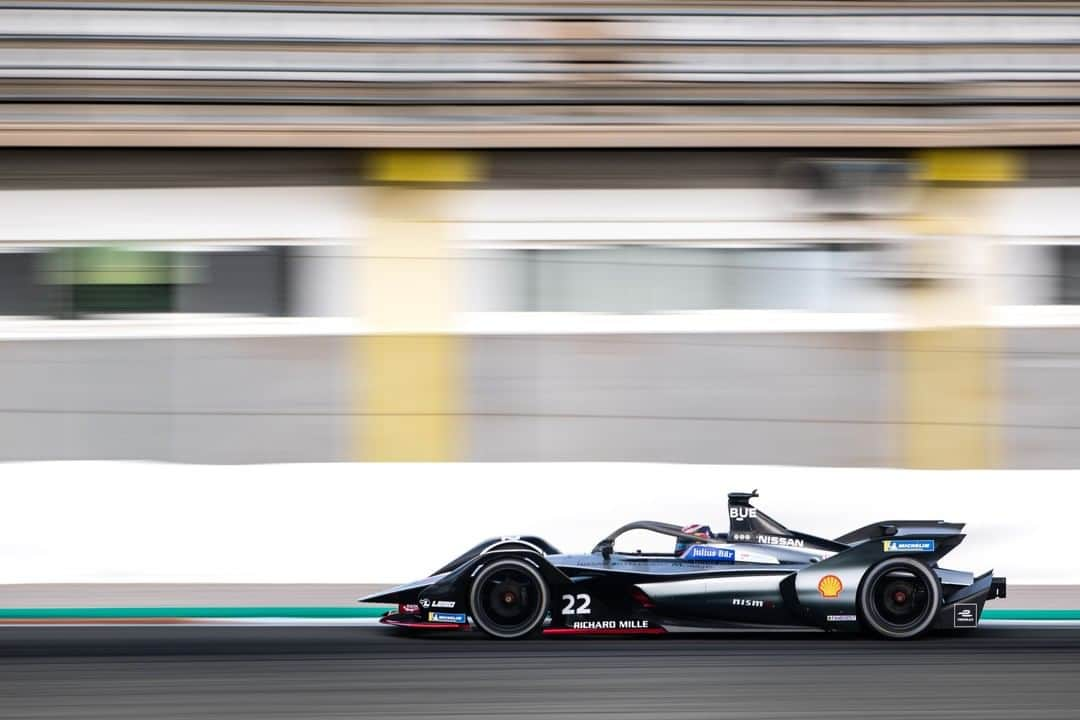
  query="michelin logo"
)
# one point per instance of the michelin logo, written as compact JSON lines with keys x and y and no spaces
{"x":458,"y":618}
{"x":709,"y":553}
{"x":916,"y":546}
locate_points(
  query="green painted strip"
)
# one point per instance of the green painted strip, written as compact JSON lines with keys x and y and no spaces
{"x":190,"y":612}
{"x":1031,"y":615}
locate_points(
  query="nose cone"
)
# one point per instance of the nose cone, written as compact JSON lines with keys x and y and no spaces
{"x":408,"y":592}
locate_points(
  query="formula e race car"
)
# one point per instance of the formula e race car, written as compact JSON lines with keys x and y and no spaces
{"x":883,"y":579}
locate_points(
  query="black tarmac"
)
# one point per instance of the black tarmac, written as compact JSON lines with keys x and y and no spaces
{"x":352,"y":672}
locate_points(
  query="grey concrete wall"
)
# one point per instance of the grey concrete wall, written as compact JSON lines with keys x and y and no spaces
{"x":802,"y":399}
{"x":784,"y":398}
{"x":198,"y":400}
{"x":816,"y":399}
{"x":1041,"y":398}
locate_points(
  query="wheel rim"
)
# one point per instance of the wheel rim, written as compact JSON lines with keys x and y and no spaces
{"x":901,"y":599}
{"x":509,"y":599}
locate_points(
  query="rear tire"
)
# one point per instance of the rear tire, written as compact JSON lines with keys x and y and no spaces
{"x":899,"y":598}
{"x":509,"y":599}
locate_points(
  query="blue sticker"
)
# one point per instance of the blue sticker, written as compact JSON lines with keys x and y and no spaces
{"x":914,"y":546}
{"x":709,"y":553}
{"x":458,"y":618}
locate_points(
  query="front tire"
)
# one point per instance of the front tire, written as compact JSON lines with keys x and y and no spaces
{"x":509,"y":599}
{"x":899,"y":598}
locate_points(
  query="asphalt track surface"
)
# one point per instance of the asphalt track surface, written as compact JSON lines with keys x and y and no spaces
{"x":320,"y":672}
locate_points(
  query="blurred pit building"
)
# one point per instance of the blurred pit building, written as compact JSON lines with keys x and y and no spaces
{"x":839,"y":234}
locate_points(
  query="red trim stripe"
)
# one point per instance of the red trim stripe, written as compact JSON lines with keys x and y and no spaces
{"x":424,"y":625}
{"x":605,"y":631}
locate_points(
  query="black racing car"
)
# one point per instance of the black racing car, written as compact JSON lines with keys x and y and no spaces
{"x":883,"y":578}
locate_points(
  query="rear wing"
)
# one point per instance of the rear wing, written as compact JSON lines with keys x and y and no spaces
{"x":890,"y":528}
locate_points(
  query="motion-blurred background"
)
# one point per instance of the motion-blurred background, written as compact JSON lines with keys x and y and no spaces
{"x":839,"y":234}
{"x":828,"y":249}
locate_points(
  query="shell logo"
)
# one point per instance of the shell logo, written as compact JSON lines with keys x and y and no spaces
{"x":830,"y":586}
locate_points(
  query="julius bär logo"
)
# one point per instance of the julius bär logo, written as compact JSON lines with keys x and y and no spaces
{"x":830,"y":586}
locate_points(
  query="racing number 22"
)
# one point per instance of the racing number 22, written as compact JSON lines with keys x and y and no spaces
{"x":576,"y":604}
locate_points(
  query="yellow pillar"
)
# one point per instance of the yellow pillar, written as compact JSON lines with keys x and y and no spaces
{"x":949,"y":355}
{"x":408,"y":367}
